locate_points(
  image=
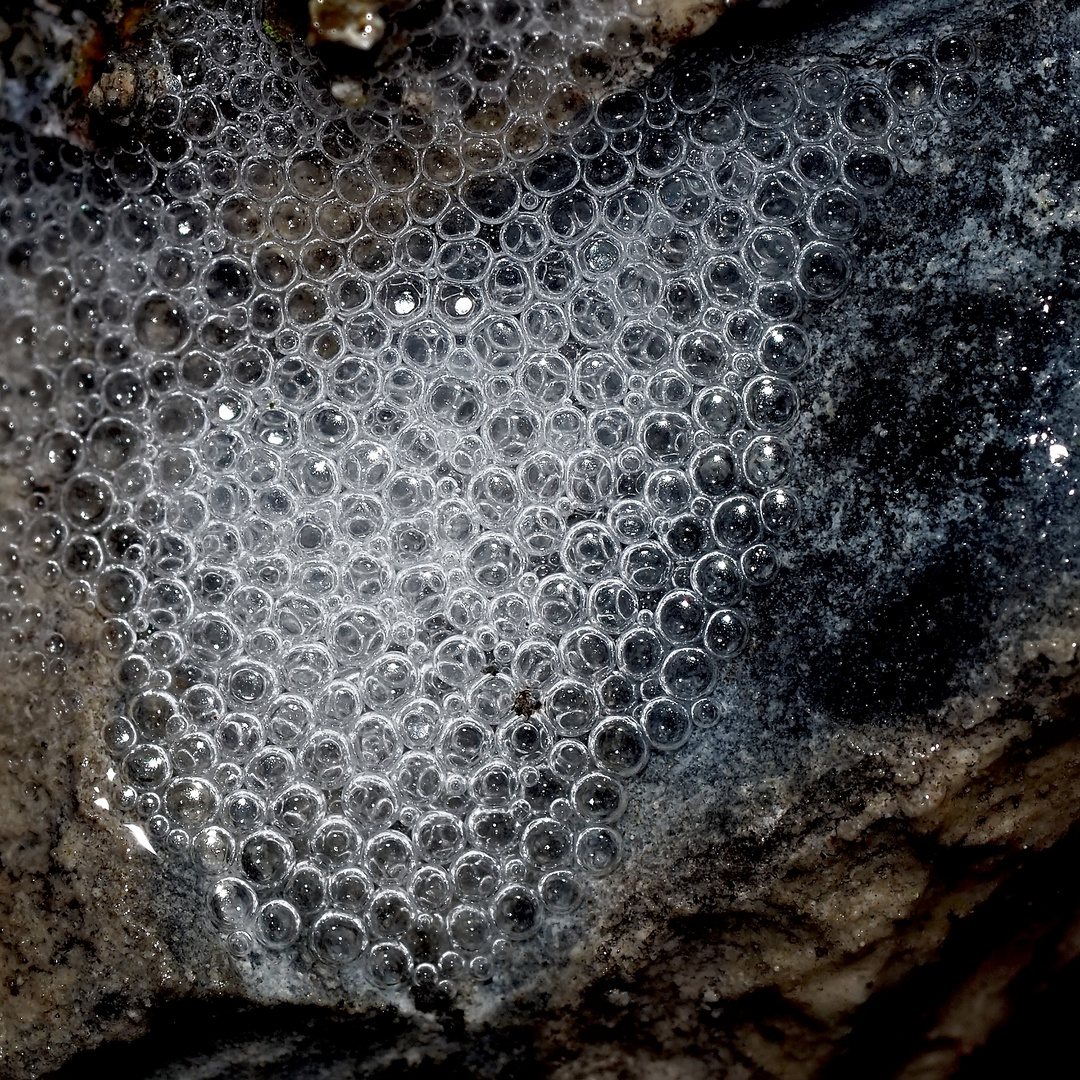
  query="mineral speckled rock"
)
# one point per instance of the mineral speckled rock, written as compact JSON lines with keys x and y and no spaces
{"x":890,"y":755}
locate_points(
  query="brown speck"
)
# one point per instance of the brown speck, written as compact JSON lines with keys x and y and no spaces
{"x":526,"y":702}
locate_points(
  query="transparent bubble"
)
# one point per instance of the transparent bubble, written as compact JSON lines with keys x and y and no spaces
{"x":618,"y":746}
{"x":475,"y":876}
{"x":866,"y":112}
{"x":160,"y":324}
{"x":837,"y":215}
{"x":958,"y":93}
{"x":232,"y":903}
{"x":213,"y":850}
{"x":469,"y":927}
{"x":688,"y":673}
{"x":598,"y":850}
{"x":680,"y":617}
{"x":666,"y":724}
{"x":277,"y":924}
{"x":586,"y":652}
{"x":391,"y":914}
{"x":526,"y":738}
{"x":265,"y":858}
{"x":464,"y":744}
{"x":190,"y":802}
{"x":816,"y":165}
{"x":954,"y":51}
{"x":823,"y":271}
{"x":338,"y":938}
{"x":759,"y":564}
{"x":770,"y":99}
{"x":147,"y":765}
{"x":869,"y":172}
{"x":767,"y":461}
{"x":910,"y":82}
{"x":560,"y":892}
{"x":516,"y":912}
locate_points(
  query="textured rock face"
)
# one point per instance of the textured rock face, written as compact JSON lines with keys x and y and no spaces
{"x":896,"y":728}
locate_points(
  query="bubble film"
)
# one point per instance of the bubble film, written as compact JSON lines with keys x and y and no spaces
{"x":423,"y":460}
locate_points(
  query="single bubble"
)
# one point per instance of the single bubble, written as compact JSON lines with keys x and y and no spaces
{"x":391,"y":914}
{"x":817,"y":165}
{"x":338,"y":938}
{"x":717,"y":410}
{"x":779,"y":199}
{"x":713,"y":471}
{"x":560,"y":892}
{"x":771,"y":251}
{"x":526,"y":737}
{"x":87,"y":500}
{"x":837,"y":214}
{"x":469,"y":928}
{"x":706,"y":714}
{"x":277,"y":924}
{"x":770,"y":99}
{"x":618,"y":746}
{"x":958,"y":93}
{"x":726,"y":633}
{"x":823,"y":271}
{"x":870,"y":172}
{"x":689,"y":535}
{"x":265,"y":858}
{"x":771,"y":402}
{"x":680,"y":617}
{"x":666,"y":723}
{"x":645,"y":566}
{"x":161,"y":324}
{"x":716,"y":577}
{"x":954,"y":51}
{"x":667,"y":491}
{"x":910,"y":82}
{"x":375,"y":741}
{"x":587,"y":652}
{"x":305,"y":888}
{"x":766,"y":461}
{"x":688,"y":673}
{"x":559,"y":601}
{"x":735,"y":522}
{"x":516,"y":911}
{"x":232,"y":903}
{"x":823,"y":85}
{"x":213,"y":850}
{"x":785,"y":349}
{"x":190,"y":801}
{"x":297,"y":808}
{"x":777,"y":299}
{"x":866,"y":112}
{"x":431,"y":888}
{"x":759,"y":564}
{"x":598,"y":850}
{"x":589,"y":550}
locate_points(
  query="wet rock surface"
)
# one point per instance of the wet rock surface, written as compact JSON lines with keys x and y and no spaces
{"x":868,"y":865}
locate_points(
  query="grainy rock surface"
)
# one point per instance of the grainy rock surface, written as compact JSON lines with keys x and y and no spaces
{"x":866,"y":868}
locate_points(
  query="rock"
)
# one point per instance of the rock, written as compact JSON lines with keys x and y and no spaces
{"x":855,"y":861}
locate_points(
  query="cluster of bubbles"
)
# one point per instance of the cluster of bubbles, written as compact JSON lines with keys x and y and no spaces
{"x":517,"y":70}
{"x":420,"y":481}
